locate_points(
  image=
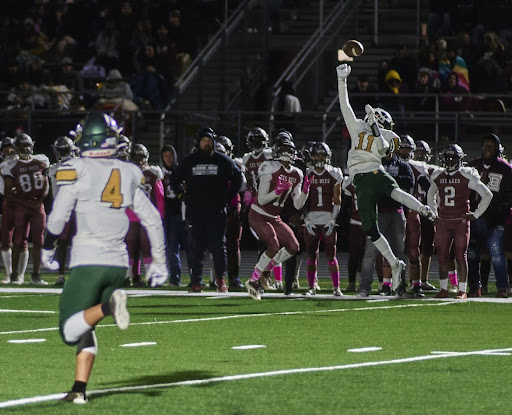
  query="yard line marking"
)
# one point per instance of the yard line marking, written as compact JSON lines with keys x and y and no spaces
{"x":27,"y":341}
{"x":138,"y":344}
{"x":249,"y":347}
{"x":27,"y":311}
{"x":284,"y":313}
{"x":365,"y":349}
{"x":195,"y":382}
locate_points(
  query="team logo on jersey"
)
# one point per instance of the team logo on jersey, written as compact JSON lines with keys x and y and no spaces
{"x":205,"y":170}
{"x":494,"y":182}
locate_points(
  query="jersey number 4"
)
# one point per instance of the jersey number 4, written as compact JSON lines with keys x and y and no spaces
{"x":112,"y":191}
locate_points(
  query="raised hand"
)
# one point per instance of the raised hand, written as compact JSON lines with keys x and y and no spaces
{"x":307,"y":183}
{"x":282,"y":186}
{"x":343,"y":71}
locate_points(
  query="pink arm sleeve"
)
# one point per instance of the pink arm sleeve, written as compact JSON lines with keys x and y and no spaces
{"x":159,"y":197}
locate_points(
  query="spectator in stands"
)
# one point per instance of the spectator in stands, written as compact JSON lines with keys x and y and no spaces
{"x":165,"y":54}
{"x":405,"y":65}
{"x":125,"y":23}
{"x":142,"y":36}
{"x":440,"y":17}
{"x":363,"y":86}
{"x":487,"y":231}
{"x":427,"y":83}
{"x":107,"y":46}
{"x":393,"y":100}
{"x":454,"y":97}
{"x":286,"y":104}
{"x":25,"y":96}
{"x":68,"y":76}
{"x":116,"y":92}
{"x":182,"y":40}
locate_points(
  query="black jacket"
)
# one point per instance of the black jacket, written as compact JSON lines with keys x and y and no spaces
{"x":208,"y":182}
{"x":401,"y":171}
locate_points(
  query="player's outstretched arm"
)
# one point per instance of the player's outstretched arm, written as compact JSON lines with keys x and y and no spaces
{"x":343,"y":71}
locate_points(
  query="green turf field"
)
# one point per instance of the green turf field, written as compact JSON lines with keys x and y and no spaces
{"x":317,"y":355}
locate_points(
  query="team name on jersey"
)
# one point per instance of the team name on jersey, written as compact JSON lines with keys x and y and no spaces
{"x":449,"y":181}
{"x":292,"y":180}
{"x":29,"y":168}
{"x":205,"y":170}
{"x":321,"y":181}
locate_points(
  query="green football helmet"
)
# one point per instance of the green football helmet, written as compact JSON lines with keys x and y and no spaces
{"x":97,"y":135}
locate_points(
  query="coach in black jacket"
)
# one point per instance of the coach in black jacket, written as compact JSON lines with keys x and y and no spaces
{"x":208,"y":180}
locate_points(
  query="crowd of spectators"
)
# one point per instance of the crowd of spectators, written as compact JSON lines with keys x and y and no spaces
{"x":81,"y":54}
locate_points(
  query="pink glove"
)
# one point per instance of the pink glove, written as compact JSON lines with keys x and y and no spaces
{"x":307,"y":183}
{"x":282,"y":186}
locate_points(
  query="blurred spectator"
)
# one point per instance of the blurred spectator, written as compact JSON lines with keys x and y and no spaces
{"x":142,"y":35}
{"x":116,"y":93}
{"x":494,"y":49}
{"x":107,"y":46}
{"x":125,"y":23}
{"x":68,"y":76}
{"x":465,"y":49}
{"x":454,"y":97}
{"x":405,"y":65}
{"x":363,"y":86}
{"x":286,"y":104}
{"x":393,"y":100}
{"x":439,"y":17}
{"x":33,"y":43}
{"x":427,"y":83}
{"x":489,"y":77}
{"x":183,"y":47}
{"x":165,"y":54}
{"x":25,"y":96}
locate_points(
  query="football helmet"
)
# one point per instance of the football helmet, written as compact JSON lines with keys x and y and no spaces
{"x":124,"y":146}
{"x":97,"y":135}
{"x":423,"y":151}
{"x":407,"y":147}
{"x":305,"y":153}
{"x":382,"y":118}
{"x":228,"y":145}
{"x":257,"y":139}
{"x":63,"y":148}
{"x":219,"y":147}
{"x":282,"y":135}
{"x":24,"y":146}
{"x":139,"y":155}
{"x":8,"y":151}
{"x":321,"y":154}
{"x":205,"y":132}
{"x":284,"y":149}
{"x":452,"y":156}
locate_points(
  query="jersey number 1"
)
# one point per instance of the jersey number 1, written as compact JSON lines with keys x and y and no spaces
{"x":369,"y":143}
{"x":112,"y":191}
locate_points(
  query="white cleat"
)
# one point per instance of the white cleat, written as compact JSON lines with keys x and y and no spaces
{"x":119,"y":310}
{"x":311,"y":291}
{"x":279,"y":285}
{"x":6,"y":280}
{"x":337,"y":292}
{"x":253,"y":289}
{"x":396,"y":273}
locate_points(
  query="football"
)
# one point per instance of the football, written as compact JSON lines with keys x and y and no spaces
{"x":353,"y":48}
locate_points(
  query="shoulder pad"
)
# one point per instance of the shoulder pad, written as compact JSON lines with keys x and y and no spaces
{"x":269,"y":167}
{"x":437,"y":172}
{"x":240,"y":164}
{"x":43,"y":159}
{"x":470,"y":172}
{"x":67,"y":172}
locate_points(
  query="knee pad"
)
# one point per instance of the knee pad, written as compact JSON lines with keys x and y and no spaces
{"x":373,"y":233}
{"x":87,"y":343}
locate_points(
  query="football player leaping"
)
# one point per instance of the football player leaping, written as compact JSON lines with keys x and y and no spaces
{"x":278,"y":179}
{"x":372,"y":139}
{"x":99,"y":188}
{"x":324,"y":205}
{"x":449,"y":195}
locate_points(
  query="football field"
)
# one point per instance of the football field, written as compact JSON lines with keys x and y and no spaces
{"x":215,"y":353}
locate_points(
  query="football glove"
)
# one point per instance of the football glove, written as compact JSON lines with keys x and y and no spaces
{"x":310,"y":227}
{"x":248,"y":198}
{"x":47,"y":260}
{"x":157,"y":275}
{"x":330,"y":226}
{"x":343,"y":71}
{"x":282,"y":186}
{"x":307,"y":183}
{"x":371,"y":114}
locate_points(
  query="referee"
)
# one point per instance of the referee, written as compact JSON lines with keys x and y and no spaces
{"x":208,"y":180}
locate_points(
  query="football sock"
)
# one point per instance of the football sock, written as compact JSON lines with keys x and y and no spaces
{"x":105,"y":308}
{"x":311,"y":273}
{"x":22,"y":265}
{"x":282,"y":255}
{"x":261,"y":266}
{"x":335,"y":275}
{"x":386,"y":281}
{"x":79,"y":387}
{"x":443,"y":284}
{"x":278,"y":272}
{"x":7,"y":258}
{"x":383,"y":246}
{"x":406,"y":199}
{"x":452,"y":275}
{"x":462,"y":287}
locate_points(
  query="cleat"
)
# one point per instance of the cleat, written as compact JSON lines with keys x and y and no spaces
{"x":474,"y":292}
{"x":296,"y":283}
{"x":196,"y":288}
{"x":279,"y":285}
{"x":502,"y":293}
{"x":266,"y":283}
{"x":137,"y":281}
{"x":426,"y":212}
{"x":426,"y":286}
{"x":417,"y":291}
{"x":289,"y":293}
{"x":363,"y":294}
{"x":401,"y":291}
{"x":311,"y":291}
{"x":75,"y":397}
{"x":351,"y":287}
{"x":212,"y":284}
{"x":385,"y":290}
{"x":454,"y":289}
{"x":127,"y":282}
{"x":221,"y":285}
{"x":235,"y":283}
{"x":442,"y":294}
{"x":6,"y":280}
{"x":119,"y":310}
{"x":396,"y":273}
{"x":485,"y":290}
{"x":461,"y":296}
{"x":253,"y":289}
{"x":60,"y":280}
{"x":337,"y":292}
{"x":317,"y":286}
{"x":36,"y":279}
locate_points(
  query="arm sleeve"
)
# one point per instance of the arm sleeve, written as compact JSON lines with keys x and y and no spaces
{"x":159,"y":197}
{"x":150,"y":219}
{"x":346,"y":109}
{"x":432,"y":197}
{"x":265,"y":195}
{"x":299,"y":197}
{"x":62,"y":207}
{"x":484,"y":193}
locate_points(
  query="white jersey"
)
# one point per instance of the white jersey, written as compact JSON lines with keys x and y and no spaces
{"x":366,"y":150}
{"x":100,"y":190}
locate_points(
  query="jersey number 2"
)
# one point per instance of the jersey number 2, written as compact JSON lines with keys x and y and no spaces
{"x":112,"y":191}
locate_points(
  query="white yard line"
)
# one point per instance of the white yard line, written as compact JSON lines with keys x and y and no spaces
{"x":27,"y":311}
{"x":196,"y":382}
{"x":284,"y":313}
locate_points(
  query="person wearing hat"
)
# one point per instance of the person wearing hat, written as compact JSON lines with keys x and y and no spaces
{"x":68,"y":76}
{"x":207,"y":181}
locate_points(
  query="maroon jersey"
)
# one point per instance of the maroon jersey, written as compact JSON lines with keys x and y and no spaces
{"x":151,"y":176}
{"x":420,"y":168}
{"x":321,"y":192}
{"x":276,"y":170}
{"x":454,"y":190}
{"x":350,"y":190}
{"x":252,"y":164}
{"x":28,"y":178}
